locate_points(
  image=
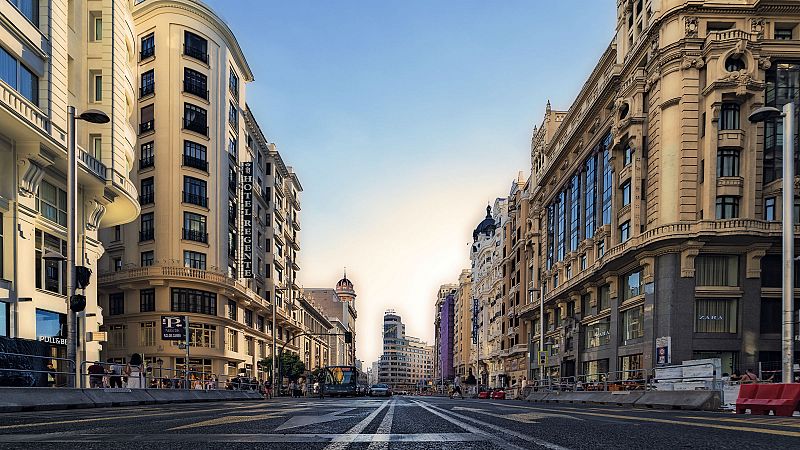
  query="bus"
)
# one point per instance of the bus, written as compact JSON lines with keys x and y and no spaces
{"x":343,"y":381}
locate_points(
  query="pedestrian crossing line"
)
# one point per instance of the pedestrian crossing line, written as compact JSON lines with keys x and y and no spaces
{"x":691,"y":424}
{"x":452,"y":417}
{"x":385,"y":427}
{"x":352,"y":433}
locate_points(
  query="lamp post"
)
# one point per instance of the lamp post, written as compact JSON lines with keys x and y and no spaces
{"x":273,"y":369}
{"x":787,"y":340}
{"x":91,"y":116}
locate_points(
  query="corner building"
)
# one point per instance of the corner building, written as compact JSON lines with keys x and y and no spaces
{"x":201,"y":247}
{"x":654,"y":202}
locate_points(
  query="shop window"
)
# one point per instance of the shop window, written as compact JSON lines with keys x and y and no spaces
{"x":631,"y":367}
{"x":717,"y":270}
{"x":598,"y":333}
{"x":715,"y":315}
{"x":632,"y":324}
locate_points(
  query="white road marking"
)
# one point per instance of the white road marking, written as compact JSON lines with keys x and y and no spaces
{"x":334,"y":439}
{"x":302,"y":421}
{"x":352,"y":433}
{"x":384,"y":428}
{"x":451,"y":416}
{"x":529,"y":417}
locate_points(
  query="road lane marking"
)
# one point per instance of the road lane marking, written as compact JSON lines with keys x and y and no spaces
{"x":450,"y":417}
{"x":518,"y":417}
{"x":350,"y":436}
{"x":694,"y":424}
{"x":385,"y":427}
{"x":302,"y":421}
{"x":246,"y":438}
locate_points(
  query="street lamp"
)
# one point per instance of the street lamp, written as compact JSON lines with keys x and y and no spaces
{"x":274,"y":336}
{"x":91,"y":116}
{"x":787,"y":342}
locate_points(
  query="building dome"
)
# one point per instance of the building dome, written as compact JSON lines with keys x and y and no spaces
{"x":345,"y":288}
{"x":487,"y":226}
{"x":344,"y":284}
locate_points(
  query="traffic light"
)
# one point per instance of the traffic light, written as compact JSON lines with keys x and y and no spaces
{"x":82,"y":276}
{"x":348,"y":337}
{"x":77,"y":303}
{"x":542,"y":358}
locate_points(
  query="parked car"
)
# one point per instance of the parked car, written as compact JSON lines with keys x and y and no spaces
{"x":484,"y":394}
{"x":380,"y":390}
{"x":499,"y":394}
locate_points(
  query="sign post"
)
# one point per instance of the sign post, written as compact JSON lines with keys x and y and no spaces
{"x":186,"y":332}
{"x":176,"y":328}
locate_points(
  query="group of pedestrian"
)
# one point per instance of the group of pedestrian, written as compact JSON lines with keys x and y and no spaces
{"x":298,"y":388}
{"x":117,"y":375}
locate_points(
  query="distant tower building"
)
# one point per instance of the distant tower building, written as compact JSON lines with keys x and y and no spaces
{"x":347,"y":294}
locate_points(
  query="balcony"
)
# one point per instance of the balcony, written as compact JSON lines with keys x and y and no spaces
{"x":147,"y":52}
{"x":195,"y":199}
{"x":147,"y":199}
{"x":195,"y":235}
{"x":94,"y":166}
{"x":146,"y":162}
{"x":196,"y":163}
{"x":199,"y":54}
{"x":148,"y":89}
{"x":147,"y":127}
{"x":198,"y":126}
{"x":196,"y":89}
{"x":731,"y":139}
{"x":147,"y":235}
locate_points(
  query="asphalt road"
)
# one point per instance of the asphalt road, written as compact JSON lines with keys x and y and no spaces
{"x":396,"y":423}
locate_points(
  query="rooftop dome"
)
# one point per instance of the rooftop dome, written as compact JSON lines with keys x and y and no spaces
{"x":486,"y":226}
{"x":345,"y":285}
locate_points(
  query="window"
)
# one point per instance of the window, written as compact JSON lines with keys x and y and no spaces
{"x":625,"y":231}
{"x":195,"y":119}
{"x":771,"y":309}
{"x":194,"y":301}
{"x":202,"y":335}
{"x":96,"y":19}
{"x":117,"y":263}
{"x":96,"y":146}
{"x":116,"y":304}
{"x":147,"y":300}
{"x":194,"y":191}
{"x":195,"y":83}
{"x":194,"y":227}
{"x":632,"y":285}
{"x":626,"y":193}
{"x":627,"y":156}
{"x":233,"y":84}
{"x":146,"y":157}
{"x":248,"y":318}
{"x":601,"y":248}
{"x":631,"y":367}
{"x":116,"y":336}
{"x":590,"y":194}
{"x":727,"y":207}
{"x":194,"y":260}
{"x":147,"y":334}
{"x":147,"y":195}
{"x":716,"y":315}
{"x":784,"y":33}
{"x":717,"y":270}
{"x":19,"y":77}
{"x":50,"y":275}
{"x":632,"y":323}
{"x":604,"y":298}
{"x":233,"y":115}
{"x":147,"y":232}
{"x":561,"y":223}
{"x":769,"y":208}
{"x":583,"y":262}
{"x":194,"y":46}
{"x":729,"y":117}
{"x":232,"y":146}
{"x":728,"y":163}
{"x":148,"y":83}
{"x":147,"y":121}
{"x":148,"y":49}
{"x":147,"y":258}
{"x":194,"y":155}
{"x":734,"y":64}
{"x":29,"y":9}
{"x":575,"y":212}
{"x":783,"y":86}
{"x":260,"y":324}
{"x":594,"y":370}
{"x":97,"y":87}
{"x":232,"y":340}
{"x":232,"y":311}
{"x":52,"y":203}
{"x":608,"y":181}
{"x":598,"y":333}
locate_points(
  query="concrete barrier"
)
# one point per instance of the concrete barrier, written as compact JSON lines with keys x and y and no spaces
{"x":690,"y":400}
{"x":537,"y":397}
{"x":31,"y":399}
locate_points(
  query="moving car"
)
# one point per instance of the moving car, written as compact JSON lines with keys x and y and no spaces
{"x":380,"y":390}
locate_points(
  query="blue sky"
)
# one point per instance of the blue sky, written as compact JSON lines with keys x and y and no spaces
{"x":403,"y":119}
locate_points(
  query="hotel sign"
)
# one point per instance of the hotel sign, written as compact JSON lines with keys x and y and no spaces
{"x":247,"y":219}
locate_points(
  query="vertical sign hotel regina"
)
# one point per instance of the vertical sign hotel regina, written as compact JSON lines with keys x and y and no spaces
{"x":247,"y":220}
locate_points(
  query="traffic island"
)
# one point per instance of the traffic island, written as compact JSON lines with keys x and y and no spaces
{"x":14,"y":399}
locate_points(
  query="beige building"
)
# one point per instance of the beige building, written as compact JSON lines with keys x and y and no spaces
{"x":463,"y":357}
{"x":338,"y":305}
{"x":407,"y":362}
{"x":57,"y":54}
{"x":217,"y":237}
{"x":654,"y":203}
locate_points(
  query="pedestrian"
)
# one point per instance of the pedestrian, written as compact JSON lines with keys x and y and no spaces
{"x":303,"y":387}
{"x":750,"y":377}
{"x":96,"y":373}
{"x":115,"y":374}
{"x":135,"y":372}
{"x":268,"y":388}
{"x":51,"y":375}
{"x":457,"y":388}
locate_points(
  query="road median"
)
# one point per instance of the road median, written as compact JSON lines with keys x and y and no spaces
{"x":688,"y":400}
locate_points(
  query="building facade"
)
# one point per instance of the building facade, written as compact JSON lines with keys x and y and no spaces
{"x":216,"y":239}
{"x":338,"y":305}
{"x":654,"y":203}
{"x":407,"y":362}
{"x":55,"y":55}
{"x":443,"y":332}
{"x":463,"y":357}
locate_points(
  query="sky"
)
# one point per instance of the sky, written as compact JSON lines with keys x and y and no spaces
{"x":403,"y":119}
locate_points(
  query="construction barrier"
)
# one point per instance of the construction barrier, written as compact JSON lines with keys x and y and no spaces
{"x":779,"y":399}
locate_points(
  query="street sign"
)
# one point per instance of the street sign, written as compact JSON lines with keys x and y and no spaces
{"x":173,"y":328}
{"x":542,"y":358}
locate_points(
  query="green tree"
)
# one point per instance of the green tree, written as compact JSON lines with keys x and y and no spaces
{"x":289,"y":365}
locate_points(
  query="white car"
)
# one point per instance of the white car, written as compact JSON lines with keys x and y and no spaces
{"x":380,"y":390}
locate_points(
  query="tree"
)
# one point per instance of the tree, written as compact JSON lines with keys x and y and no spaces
{"x":289,"y":365}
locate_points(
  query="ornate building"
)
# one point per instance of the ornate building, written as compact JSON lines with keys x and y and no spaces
{"x":653,"y":200}
{"x":463,"y":357}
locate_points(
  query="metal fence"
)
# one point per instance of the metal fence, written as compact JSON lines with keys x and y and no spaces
{"x":24,"y":370}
